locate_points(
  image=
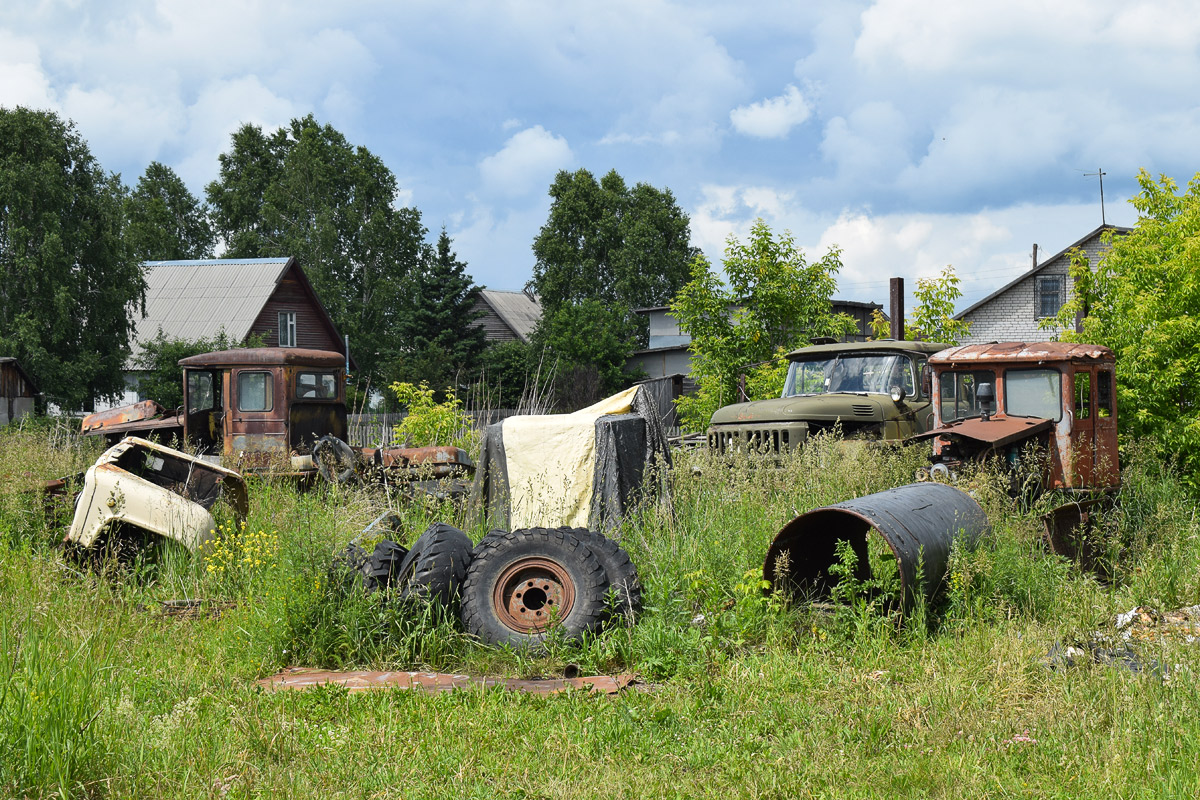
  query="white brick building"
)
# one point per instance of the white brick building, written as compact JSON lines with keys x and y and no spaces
{"x":1012,"y":313}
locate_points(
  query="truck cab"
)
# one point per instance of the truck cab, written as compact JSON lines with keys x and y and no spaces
{"x":1003,"y":397}
{"x":874,"y":390}
{"x":267,"y":401}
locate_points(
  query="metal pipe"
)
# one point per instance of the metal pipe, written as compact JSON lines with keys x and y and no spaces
{"x":919,"y":522}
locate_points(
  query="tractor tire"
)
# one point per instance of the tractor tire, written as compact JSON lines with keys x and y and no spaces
{"x":436,"y":565}
{"x":527,"y":583}
{"x":335,"y":460}
{"x":382,"y":567}
{"x":622,"y":573}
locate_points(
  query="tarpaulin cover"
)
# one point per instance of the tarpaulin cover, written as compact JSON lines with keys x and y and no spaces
{"x":585,"y":469}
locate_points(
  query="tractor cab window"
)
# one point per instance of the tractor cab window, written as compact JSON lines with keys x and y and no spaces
{"x":316,"y":386}
{"x":201,"y":391}
{"x":254,"y":391}
{"x":1033,"y":393}
{"x":957,"y":391}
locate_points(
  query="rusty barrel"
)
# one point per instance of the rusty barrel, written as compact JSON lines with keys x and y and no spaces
{"x":919,"y":522}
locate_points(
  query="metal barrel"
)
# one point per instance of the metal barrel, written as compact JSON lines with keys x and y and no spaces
{"x":919,"y":522}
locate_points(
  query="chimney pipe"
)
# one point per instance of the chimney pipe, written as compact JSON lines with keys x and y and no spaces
{"x":1035,"y":255}
{"x":896,"y":309}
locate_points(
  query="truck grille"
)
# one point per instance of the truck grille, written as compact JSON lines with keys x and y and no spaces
{"x":752,"y":438}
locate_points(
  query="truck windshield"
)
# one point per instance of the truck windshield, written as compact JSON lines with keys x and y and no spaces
{"x":1033,"y":393}
{"x":859,"y":373}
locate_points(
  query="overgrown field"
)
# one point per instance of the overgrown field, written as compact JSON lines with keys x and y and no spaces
{"x":103,"y":695}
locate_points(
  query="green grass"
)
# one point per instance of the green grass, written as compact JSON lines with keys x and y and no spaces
{"x":102,"y":695}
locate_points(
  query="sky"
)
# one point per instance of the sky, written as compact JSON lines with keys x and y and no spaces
{"x":911,"y":134}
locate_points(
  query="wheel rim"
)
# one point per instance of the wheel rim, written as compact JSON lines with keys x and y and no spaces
{"x":532,"y":594}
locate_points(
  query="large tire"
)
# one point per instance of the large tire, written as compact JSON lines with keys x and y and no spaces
{"x":436,"y":565}
{"x":335,"y":459}
{"x":622,"y":573}
{"x":383,"y":566}
{"x":525,"y":583}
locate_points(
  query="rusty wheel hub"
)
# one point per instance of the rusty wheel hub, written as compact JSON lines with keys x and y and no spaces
{"x":533,"y":593}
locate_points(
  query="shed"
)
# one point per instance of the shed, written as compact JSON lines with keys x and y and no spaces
{"x":17,"y":391}
{"x":507,"y":316}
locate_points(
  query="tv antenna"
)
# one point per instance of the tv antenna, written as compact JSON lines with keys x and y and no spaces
{"x":1099,"y":173}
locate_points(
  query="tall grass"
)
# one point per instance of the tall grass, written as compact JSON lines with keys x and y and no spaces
{"x":757,"y":696}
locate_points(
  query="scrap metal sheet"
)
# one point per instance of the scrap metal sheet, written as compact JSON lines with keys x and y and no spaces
{"x":437,"y":682}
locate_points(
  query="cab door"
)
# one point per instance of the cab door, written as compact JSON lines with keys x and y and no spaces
{"x":1083,"y":429}
{"x":1106,"y":469}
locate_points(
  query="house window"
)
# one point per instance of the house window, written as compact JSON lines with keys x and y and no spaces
{"x":1049,"y":295}
{"x":287,"y":328}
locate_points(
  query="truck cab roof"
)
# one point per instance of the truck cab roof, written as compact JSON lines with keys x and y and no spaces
{"x":876,"y":346}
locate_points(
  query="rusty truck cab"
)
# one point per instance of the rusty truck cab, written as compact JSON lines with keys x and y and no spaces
{"x":1061,"y":396}
{"x":268,"y":401}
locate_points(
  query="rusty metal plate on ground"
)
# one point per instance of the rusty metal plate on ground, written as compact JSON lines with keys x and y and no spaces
{"x":437,"y":682}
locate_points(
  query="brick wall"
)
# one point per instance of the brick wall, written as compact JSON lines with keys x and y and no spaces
{"x":1011,"y":316}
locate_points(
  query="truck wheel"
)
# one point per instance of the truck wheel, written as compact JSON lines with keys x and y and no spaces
{"x":382,"y":567}
{"x":436,"y":565}
{"x":620,"y":569}
{"x":523,"y":583}
{"x":334,"y":459}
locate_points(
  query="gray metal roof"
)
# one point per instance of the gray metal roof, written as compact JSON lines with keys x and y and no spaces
{"x":519,"y":311}
{"x":196,"y":299}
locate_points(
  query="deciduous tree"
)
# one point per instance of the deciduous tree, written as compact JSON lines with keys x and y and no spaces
{"x":165,"y":221}
{"x":305,"y":191}
{"x":70,"y":286}
{"x":1143,"y":301}
{"x":775,"y":301}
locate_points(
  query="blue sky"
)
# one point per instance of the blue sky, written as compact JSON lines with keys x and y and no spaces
{"x":910,"y":133}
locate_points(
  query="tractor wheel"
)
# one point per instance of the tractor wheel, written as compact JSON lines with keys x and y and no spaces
{"x":335,"y":459}
{"x":435,"y":566}
{"x":524,"y":583}
{"x":621,"y":571}
{"x":383,"y":566}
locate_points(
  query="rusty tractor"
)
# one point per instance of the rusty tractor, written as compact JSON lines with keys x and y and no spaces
{"x":264,"y":407}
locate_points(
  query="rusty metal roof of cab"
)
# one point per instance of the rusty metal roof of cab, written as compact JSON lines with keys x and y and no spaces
{"x":280,"y":400}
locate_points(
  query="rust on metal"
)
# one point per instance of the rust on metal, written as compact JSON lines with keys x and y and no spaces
{"x":439,"y":682}
{"x":996,"y":432}
{"x":265,"y":356}
{"x":1022,"y":351}
{"x":531,"y":593}
{"x":138,"y":412}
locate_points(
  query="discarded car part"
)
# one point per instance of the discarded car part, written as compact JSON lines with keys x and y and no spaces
{"x":918,"y":522}
{"x":382,"y":567}
{"x":138,"y":416}
{"x":620,"y":569}
{"x":144,"y":485}
{"x":387,"y":522}
{"x":1070,"y":531}
{"x":335,"y":459}
{"x":996,"y":399}
{"x":874,"y":390}
{"x":439,"y":682}
{"x":525,"y":583}
{"x":436,"y":566}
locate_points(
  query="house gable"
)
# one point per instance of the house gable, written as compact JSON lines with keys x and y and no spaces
{"x":1012,"y":313}
{"x":507,"y":316}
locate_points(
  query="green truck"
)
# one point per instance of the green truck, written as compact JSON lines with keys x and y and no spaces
{"x":875,"y":390}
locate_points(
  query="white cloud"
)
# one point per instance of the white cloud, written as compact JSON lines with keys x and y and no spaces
{"x":772,"y":118}
{"x":22,"y":79}
{"x":528,"y":160}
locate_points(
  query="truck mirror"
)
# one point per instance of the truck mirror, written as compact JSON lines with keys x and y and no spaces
{"x":927,"y":381}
